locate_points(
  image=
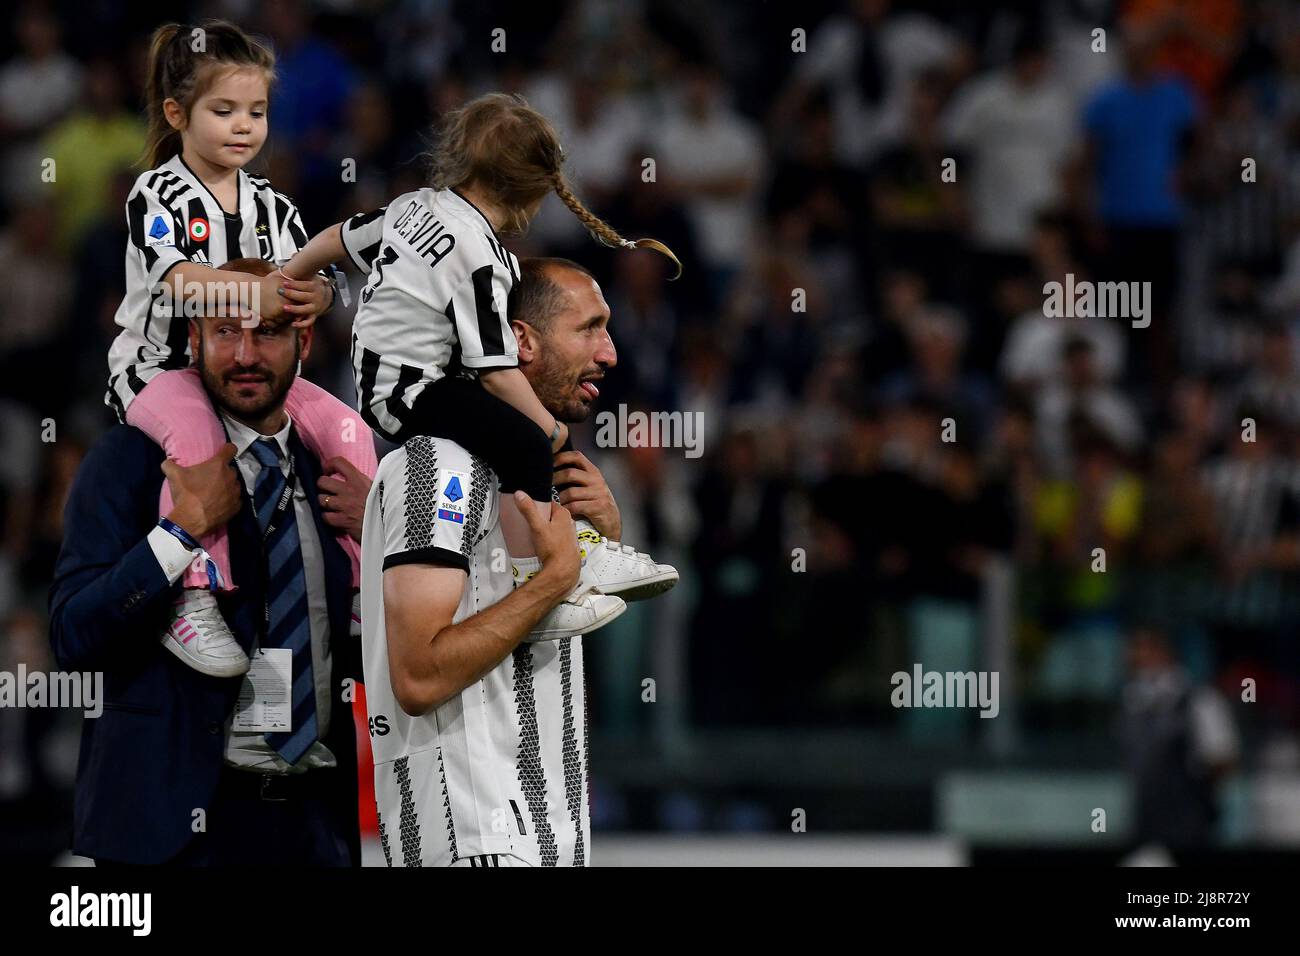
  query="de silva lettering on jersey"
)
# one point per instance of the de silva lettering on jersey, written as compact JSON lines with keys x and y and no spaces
{"x":438,"y":283}
{"x":501,"y":768}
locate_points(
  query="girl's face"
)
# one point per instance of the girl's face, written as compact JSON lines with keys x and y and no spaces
{"x":227,"y":124}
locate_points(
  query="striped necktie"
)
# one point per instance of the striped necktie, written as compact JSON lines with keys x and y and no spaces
{"x":286,"y":596}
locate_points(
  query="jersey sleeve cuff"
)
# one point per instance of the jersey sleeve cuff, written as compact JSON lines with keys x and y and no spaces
{"x":483,"y":362}
{"x":439,"y":557}
{"x":168,"y":259}
{"x":173,"y":557}
{"x":357,"y":261}
{"x":354,"y":245}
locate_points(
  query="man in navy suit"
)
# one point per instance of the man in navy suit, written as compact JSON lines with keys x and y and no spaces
{"x":180,"y":768}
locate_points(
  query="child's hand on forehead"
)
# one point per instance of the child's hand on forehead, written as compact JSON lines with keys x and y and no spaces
{"x":304,"y":299}
{"x":270,"y":303}
{"x":298,"y":300}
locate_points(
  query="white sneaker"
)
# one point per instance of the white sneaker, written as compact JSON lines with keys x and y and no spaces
{"x":200,"y":637}
{"x":588,"y":613}
{"x":618,"y":569}
{"x":583,"y":611}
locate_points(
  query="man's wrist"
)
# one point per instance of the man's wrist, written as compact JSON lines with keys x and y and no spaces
{"x":554,"y":581}
{"x":187,"y":524}
{"x":609,"y":524}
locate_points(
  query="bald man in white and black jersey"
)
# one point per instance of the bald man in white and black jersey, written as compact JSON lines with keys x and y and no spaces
{"x":479,"y":730}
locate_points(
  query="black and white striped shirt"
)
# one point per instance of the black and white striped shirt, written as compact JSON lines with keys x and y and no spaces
{"x":1249,"y":498}
{"x":501,"y":767}
{"x":435,"y":302}
{"x":173,"y":217}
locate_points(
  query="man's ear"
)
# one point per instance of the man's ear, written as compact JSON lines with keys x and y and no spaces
{"x":196,"y":340}
{"x":305,"y":338}
{"x":527,"y":339}
{"x":174,"y":113}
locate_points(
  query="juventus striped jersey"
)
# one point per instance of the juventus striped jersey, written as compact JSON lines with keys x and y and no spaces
{"x":172,"y":217}
{"x":501,"y":768}
{"x":435,"y":302}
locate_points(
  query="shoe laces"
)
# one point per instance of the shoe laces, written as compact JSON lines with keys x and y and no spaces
{"x":205,"y":618}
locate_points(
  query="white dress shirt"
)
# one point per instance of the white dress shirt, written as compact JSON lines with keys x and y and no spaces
{"x":250,"y":751}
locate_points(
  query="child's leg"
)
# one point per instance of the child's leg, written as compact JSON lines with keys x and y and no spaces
{"x":175,"y":411}
{"x":509,"y":441}
{"x":514,"y":527}
{"x":331,"y":429}
{"x":519,"y":453}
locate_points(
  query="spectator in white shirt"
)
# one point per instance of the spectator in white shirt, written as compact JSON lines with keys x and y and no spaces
{"x":712,"y":158}
{"x":1079,"y":391}
{"x":1017,"y":127}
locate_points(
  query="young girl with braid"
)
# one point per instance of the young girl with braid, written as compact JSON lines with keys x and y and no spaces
{"x":433,"y":349}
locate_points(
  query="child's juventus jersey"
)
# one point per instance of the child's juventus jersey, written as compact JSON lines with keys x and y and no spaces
{"x":502,"y":766}
{"x":435,"y":302}
{"x":172,"y":217}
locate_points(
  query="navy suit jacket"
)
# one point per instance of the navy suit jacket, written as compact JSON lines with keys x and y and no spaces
{"x":154,"y":755}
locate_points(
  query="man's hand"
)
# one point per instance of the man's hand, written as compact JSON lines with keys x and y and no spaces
{"x":205,"y":496}
{"x":343,"y":493}
{"x":587,"y":495}
{"x":430,"y":659}
{"x":556,"y":542}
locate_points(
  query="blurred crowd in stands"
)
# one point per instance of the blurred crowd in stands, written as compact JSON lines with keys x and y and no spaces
{"x":883,"y":394}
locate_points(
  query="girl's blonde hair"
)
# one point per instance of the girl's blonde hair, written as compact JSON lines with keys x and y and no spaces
{"x":181,"y":67}
{"x":502,"y":144}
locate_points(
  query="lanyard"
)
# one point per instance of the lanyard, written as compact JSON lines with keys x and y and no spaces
{"x":281,"y":506}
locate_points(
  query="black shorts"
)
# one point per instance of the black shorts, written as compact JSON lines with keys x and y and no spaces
{"x":463,"y":411}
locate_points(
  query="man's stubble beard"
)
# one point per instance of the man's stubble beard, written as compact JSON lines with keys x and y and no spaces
{"x":551,"y":385}
{"x":216,"y":387}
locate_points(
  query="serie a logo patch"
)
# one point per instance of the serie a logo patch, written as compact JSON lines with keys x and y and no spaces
{"x":198,"y":229}
{"x":451,"y":492}
{"x":160,"y":233}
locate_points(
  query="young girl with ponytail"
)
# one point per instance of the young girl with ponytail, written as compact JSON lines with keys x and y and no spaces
{"x":208,"y":99}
